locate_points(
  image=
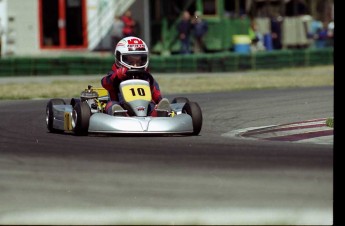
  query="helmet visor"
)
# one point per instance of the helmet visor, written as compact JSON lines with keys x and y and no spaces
{"x":135,"y":60}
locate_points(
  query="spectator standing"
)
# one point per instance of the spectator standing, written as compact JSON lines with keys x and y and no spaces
{"x":322,"y":36}
{"x":200,"y":27}
{"x":276,"y":31}
{"x":184,"y":29}
{"x":129,"y":24}
{"x":256,"y":37}
{"x":330,"y":28}
{"x":117,"y":33}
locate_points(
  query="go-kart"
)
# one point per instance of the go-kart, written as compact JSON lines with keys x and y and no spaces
{"x":86,"y":114}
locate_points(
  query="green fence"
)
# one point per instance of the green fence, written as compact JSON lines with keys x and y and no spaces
{"x":215,"y":62}
{"x":229,"y":61}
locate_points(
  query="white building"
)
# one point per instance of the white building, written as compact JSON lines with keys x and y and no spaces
{"x":33,"y":27}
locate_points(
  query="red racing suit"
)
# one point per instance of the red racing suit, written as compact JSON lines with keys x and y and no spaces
{"x":112,"y":81}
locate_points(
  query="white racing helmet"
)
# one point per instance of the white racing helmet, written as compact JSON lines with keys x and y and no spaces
{"x":131,"y":52}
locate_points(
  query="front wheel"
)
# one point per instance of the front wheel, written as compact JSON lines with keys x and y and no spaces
{"x":50,"y":113}
{"x":80,"y":118}
{"x":193,"y":109}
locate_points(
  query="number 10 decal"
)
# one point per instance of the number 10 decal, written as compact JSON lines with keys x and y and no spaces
{"x":140,"y":91}
{"x":136,"y":92}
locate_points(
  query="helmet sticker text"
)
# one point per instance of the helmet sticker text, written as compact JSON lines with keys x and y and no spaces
{"x":135,"y":44}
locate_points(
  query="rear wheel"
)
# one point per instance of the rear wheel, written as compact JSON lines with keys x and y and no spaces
{"x":193,"y":109}
{"x":74,"y":101}
{"x":80,"y":118}
{"x":180,"y":100}
{"x":50,"y":113}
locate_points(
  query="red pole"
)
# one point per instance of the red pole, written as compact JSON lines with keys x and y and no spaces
{"x":62,"y":23}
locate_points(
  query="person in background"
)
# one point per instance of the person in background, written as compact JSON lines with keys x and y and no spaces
{"x":256,"y":37}
{"x":129,"y":24}
{"x":184,"y":28}
{"x":200,"y":28}
{"x":276,"y":31}
{"x":323,"y":35}
{"x":330,"y":28}
{"x":131,"y":53}
{"x":116,"y":34}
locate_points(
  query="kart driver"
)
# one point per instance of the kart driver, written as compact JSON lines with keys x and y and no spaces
{"x":130,"y":53}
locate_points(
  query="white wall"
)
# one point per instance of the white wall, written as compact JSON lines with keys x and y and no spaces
{"x":23,"y":33}
{"x":22,"y":20}
{"x":3,"y":25}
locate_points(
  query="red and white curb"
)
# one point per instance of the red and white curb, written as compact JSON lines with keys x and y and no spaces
{"x":310,"y":131}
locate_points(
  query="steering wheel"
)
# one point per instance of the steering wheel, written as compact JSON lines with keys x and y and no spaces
{"x":139,"y":74}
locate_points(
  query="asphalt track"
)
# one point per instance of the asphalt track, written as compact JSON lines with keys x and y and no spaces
{"x":51,"y":178}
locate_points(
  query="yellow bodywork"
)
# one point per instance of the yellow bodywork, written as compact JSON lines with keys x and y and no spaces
{"x":68,"y":121}
{"x":101,"y":92}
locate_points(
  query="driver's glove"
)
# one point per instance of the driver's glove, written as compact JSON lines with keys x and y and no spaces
{"x":120,"y":73}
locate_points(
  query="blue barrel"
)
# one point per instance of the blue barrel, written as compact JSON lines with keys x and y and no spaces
{"x":241,"y":43}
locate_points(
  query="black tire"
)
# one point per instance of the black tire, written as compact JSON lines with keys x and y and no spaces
{"x":81,"y":118}
{"x":50,"y":113}
{"x":74,"y":101}
{"x":193,"y":109}
{"x":180,"y":100}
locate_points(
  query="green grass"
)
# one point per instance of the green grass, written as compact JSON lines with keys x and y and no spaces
{"x":184,"y":83}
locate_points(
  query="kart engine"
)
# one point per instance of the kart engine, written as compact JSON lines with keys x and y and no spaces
{"x":91,"y":97}
{"x":88,"y":93}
